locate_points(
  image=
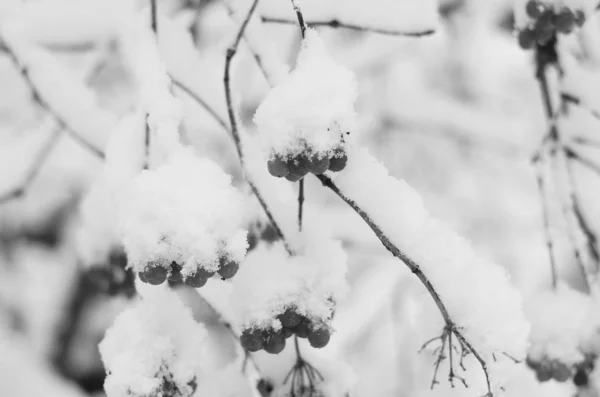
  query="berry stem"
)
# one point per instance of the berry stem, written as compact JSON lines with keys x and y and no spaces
{"x":300,"y":203}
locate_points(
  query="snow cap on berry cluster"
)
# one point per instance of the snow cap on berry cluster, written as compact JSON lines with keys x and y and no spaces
{"x":152,"y":344}
{"x":271,"y":281}
{"x":185,"y":211}
{"x":565,"y":325}
{"x":522,"y":19}
{"x":477,"y":293}
{"x":312,"y":108}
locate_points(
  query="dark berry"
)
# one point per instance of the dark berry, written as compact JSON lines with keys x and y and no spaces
{"x":565,"y":21}
{"x":252,"y":241}
{"x":196,"y":281}
{"x":142,"y":277}
{"x":154,"y":275}
{"x":319,"y":337}
{"x":252,"y":340}
{"x":579,"y":18}
{"x":228,"y":269}
{"x":274,"y":343}
{"x":278,"y":167}
{"x":175,"y":276}
{"x":269,"y":234}
{"x":534,"y":8}
{"x":560,"y":372}
{"x":543,"y":36}
{"x":532,"y":364}
{"x":287,"y":332}
{"x":526,"y":38}
{"x":265,"y":387}
{"x":293,"y":177}
{"x":290,"y":319}
{"x":318,"y":164}
{"x":544,"y":373}
{"x":338,"y":162}
{"x":204,"y":273}
{"x":302,"y":329}
{"x":298,"y":165}
{"x":544,"y":27}
{"x":580,"y":378}
{"x":118,"y":258}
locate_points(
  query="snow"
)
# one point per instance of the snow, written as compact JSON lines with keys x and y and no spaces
{"x":185,"y":211}
{"x":401,"y":15}
{"x":313,"y":108}
{"x":565,"y":325}
{"x":153,"y":342}
{"x":477,"y":293}
{"x":271,"y":280}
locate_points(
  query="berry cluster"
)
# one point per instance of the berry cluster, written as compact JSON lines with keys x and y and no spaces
{"x":546,"y":22}
{"x":156,"y":273}
{"x":113,"y":278}
{"x":295,"y":168}
{"x":292,"y":322}
{"x":553,"y":369}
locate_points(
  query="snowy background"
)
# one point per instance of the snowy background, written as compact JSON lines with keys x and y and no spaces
{"x":448,"y":142}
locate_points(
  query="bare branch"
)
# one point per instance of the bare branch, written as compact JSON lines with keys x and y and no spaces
{"x":37,"y":163}
{"x":589,"y":164}
{"x":335,"y":24}
{"x":575,"y":100}
{"x":153,"y":17}
{"x":300,"y":16}
{"x":300,"y":203}
{"x":213,"y":113}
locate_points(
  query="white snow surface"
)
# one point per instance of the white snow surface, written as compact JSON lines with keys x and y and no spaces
{"x":271,"y":281}
{"x":186,"y":211}
{"x":313,"y":106}
{"x":156,"y":337}
{"x":565,"y":325}
{"x":477,"y":293}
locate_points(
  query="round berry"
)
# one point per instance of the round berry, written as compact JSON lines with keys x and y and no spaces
{"x":534,"y":8}
{"x":531,"y":363}
{"x":290,"y":319}
{"x":228,"y":269}
{"x":298,"y":165}
{"x":543,"y":373}
{"x":287,"y":332}
{"x":269,"y":234}
{"x":565,"y":21}
{"x":302,"y":329}
{"x":252,"y":241}
{"x":526,"y":38}
{"x":278,"y":167}
{"x":265,"y":387}
{"x":560,"y":372}
{"x":154,"y":275}
{"x":274,"y":343}
{"x":142,"y":277}
{"x":318,"y":164}
{"x":196,"y":281}
{"x":338,"y":162}
{"x":204,"y":273}
{"x":293,"y":177}
{"x":544,"y":35}
{"x":252,"y":340}
{"x":579,"y":18}
{"x":580,"y":378}
{"x":319,"y":337}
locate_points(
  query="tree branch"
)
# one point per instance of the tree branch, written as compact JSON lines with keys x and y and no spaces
{"x":335,"y":24}
{"x":575,"y":100}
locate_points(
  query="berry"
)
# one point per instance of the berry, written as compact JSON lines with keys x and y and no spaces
{"x":290,"y":319}
{"x":532,"y":364}
{"x":526,"y":38}
{"x":228,"y":269}
{"x":534,"y":8}
{"x":265,"y":387}
{"x":196,"y":281}
{"x":274,"y":343}
{"x":269,"y":234}
{"x":565,"y":21}
{"x":302,"y":329}
{"x":278,"y":167}
{"x":579,"y":18}
{"x":287,"y":332}
{"x":298,"y":166}
{"x":175,"y":276}
{"x":293,"y":177}
{"x":142,"y":277}
{"x":580,"y":378}
{"x":204,"y":273}
{"x":338,"y":161}
{"x":319,"y":337}
{"x":560,"y":372}
{"x":544,"y":373}
{"x":154,"y":275}
{"x":252,"y":340}
{"x":317,"y":164}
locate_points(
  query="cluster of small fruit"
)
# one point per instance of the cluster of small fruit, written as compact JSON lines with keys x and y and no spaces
{"x":292,"y":323}
{"x":157,"y":273}
{"x":553,"y":369}
{"x":297,"y":167}
{"x":546,"y":22}
{"x":113,"y":278}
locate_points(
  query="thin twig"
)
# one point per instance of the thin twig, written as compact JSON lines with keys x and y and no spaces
{"x":39,"y":160}
{"x":213,"y":113}
{"x":589,"y":164}
{"x":154,"y":27}
{"x":300,"y":203}
{"x":153,"y":17}
{"x":300,"y":16}
{"x":574,"y":100}
{"x":335,"y":23}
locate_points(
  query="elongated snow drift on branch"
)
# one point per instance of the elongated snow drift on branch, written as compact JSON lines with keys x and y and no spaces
{"x":477,"y":293}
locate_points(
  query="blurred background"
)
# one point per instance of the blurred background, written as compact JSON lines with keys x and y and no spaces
{"x":457,"y":114}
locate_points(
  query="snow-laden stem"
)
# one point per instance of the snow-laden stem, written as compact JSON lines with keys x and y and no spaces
{"x":33,"y":170}
{"x":300,"y":16}
{"x":546,"y":222}
{"x":414,"y":267}
{"x":336,"y":23}
{"x":300,"y":203}
{"x":153,"y":17}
